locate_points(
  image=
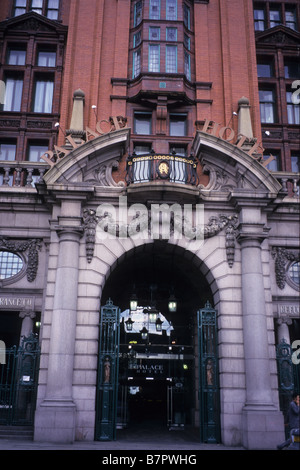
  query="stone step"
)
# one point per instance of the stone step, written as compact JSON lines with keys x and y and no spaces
{"x":16,"y":432}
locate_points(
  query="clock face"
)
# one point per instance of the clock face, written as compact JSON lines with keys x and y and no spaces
{"x":163,"y":169}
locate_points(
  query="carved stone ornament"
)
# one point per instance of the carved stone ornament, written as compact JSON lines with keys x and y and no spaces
{"x":103,"y":175}
{"x":32,"y":247}
{"x":282,"y":257}
{"x":214,"y":226}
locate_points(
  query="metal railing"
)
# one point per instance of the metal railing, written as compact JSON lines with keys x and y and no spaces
{"x":164,"y":167}
{"x":23,"y":173}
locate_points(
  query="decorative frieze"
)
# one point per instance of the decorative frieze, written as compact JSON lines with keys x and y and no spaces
{"x":108,"y":224}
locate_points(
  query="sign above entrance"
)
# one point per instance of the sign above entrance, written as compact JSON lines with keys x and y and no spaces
{"x":227,"y":134}
{"x":105,"y":126}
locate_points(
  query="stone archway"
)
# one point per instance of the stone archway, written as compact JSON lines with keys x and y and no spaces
{"x":154,"y":271}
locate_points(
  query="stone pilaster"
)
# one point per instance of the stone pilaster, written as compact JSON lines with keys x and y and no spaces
{"x":262,"y":422}
{"x":27,"y":323}
{"x":55,"y":417}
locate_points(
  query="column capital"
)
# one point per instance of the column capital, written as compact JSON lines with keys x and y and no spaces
{"x":27,"y":313}
{"x":253,"y":234}
{"x":69,"y":228}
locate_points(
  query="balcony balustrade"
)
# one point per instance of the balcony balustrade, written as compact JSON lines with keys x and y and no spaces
{"x":21,"y":174}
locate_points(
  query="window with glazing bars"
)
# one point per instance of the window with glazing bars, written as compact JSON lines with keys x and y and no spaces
{"x":171,"y":10}
{"x":171,"y":59}
{"x":154,"y":58}
{"x":154,"y":10}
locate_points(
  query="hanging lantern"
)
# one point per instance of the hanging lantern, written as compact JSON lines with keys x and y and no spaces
{"x":153,"y":314}
{"x":172,"y":304}
{"x":144,"y":333}
{"x":158,"y":324}
{"x":133,"y":302}
{"x":129,"y":324}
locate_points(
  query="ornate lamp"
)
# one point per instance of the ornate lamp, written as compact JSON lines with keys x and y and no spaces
{"x":129,"y":324}
{"x":172,"y":303}
{"x":133,"y":302}
{"x":144,"y":333}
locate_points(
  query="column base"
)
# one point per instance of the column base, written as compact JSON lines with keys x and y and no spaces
{"x":55,"y":421}
{"x":263,"y":427}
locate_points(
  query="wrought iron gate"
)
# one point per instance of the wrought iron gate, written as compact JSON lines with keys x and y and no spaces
{"x":209,"y":408}
{"x":288,"y":377}
{"x":108,"y":369}
{"x":18,"y":383}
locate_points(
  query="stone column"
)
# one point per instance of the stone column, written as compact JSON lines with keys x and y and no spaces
{"x":55,"y":418}
{"x":27,"y":323}
{"x":262,"y":422}
{"x":283,"y":329}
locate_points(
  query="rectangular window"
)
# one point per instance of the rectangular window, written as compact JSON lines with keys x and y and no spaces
{"x":138,"y":13}
{"x":171,"y":10}
{"x":293,"y":110}
{"x":267,"y":106}
{"x":137,"y":39}
{"x":171,"y":34}
{"x":275,"y":17}
{"x":179,"y":150}
{"x":265,"y":68}
{"x":171,"y":59}
{"x":142,"y":123}
{"x":291,"y":68}
{"x":178,"y":124}
{"x":290,"y":18}
{"x":16,"y":56}
{"x":52,"y":9}
{"x":20,"y":7}
{"x":154,"y":33}
{"x":274,"y":165}
{"x":186,"y":16}
{"x":46,"y":59}
{"x":154,"y":10}
{"x":35,"y":151}
{"x":13,"y":93}
{"x":154,"y":58}
{"x":295,"y":163}
{"x":136,"y":63}
{"x":7,"y":151}
{"x":187,"y":65}
{"x":259,"y":19}
{"x":43,"y":95}
{"x":187,"y":41}
{"x":141,"y":149}
{"x":37,"y":6}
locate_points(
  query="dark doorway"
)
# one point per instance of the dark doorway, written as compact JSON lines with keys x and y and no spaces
{"x":157,"y":374}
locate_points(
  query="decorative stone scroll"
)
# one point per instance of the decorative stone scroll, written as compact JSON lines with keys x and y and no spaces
{"x":214,"y":226}
{"x":32,"y":246}
{"x":282,"y":256}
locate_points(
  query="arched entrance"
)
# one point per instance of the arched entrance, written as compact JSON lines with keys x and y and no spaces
{"x":163,"y":363}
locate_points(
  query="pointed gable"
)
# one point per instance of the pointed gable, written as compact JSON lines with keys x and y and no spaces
{"x":32,"y":23}
{"x":279,"y":35}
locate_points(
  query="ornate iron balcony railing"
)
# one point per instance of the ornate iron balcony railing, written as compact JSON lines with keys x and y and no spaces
{"x":165,"y":167}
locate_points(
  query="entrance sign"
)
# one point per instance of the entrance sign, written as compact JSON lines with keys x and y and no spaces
{"x":213,"y":128}
{"x":105,"y":126}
